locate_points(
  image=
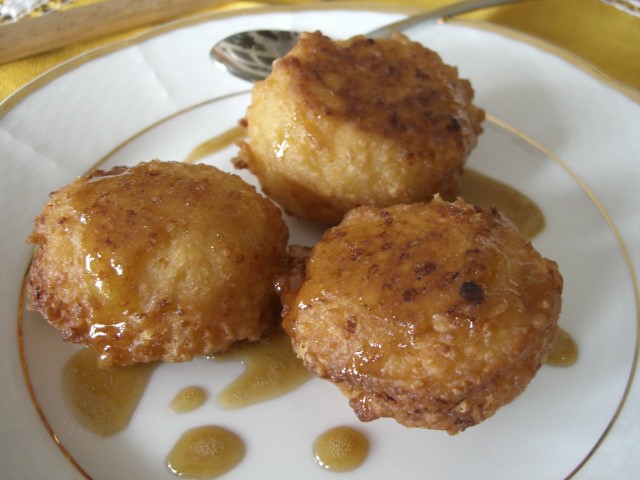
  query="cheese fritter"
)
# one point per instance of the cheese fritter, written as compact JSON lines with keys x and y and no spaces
{"x":339,"y":124}
{"x":435,"y":314}
{"x":161,"y":261}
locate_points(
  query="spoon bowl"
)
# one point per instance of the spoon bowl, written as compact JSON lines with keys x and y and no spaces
{"x":249,"y":55}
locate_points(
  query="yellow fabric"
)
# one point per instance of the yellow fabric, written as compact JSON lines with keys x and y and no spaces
{"x":604,"y":36}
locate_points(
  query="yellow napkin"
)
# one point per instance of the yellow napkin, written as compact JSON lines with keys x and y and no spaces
{"x":602,"y":35}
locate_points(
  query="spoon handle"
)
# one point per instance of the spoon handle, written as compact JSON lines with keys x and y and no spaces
{"x":436,"y":15}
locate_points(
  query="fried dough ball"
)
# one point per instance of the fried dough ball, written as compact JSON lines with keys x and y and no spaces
{"x":339,"y":124}
{"x":435,"y":314}
{"x":161,"y":261}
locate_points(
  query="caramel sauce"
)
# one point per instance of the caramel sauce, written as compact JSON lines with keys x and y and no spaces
{"x":188,"y":399}
{"x":103,"y":399}
{"x":484,"y":191}
{"x":341,"y":449}
{"x":215,"y":144}
{"x":271,"y":370}
{"x":564,"y":352}
{"x":206,"y":452}
{"x":116,"y":258}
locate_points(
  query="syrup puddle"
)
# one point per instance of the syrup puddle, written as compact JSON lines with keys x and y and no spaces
{"x":272,"y":369}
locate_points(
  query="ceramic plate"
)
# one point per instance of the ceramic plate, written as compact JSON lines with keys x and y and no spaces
{"x":557,"y":133}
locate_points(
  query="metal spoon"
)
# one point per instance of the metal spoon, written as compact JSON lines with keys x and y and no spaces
{"x":249,"y":55}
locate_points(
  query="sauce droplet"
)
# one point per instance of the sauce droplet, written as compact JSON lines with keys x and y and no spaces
{"x":564,"y":352}
{"x":103,"y":399}
{"x":215,"y":144}
{"x":188,"y":399}
{"x":271,"y":370}
{"x":485,"y":191}
{"x":206,"y":452}
{"x":341,"y":449}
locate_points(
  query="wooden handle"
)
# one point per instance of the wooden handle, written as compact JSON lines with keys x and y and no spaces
{"x":31,"y":36}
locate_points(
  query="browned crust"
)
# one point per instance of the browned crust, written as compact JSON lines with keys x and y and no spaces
{"x":340,"y":124}
{"x":161,"y":261}
{"x":433,"y":314}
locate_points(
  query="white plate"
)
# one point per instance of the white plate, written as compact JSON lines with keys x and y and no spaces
{"x":566,"y":139}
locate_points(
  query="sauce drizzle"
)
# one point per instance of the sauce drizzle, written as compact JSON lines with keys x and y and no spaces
{"x":484,"y":191}
{"x":206,"y":452}
{"x":271,"y":370}
{"x":564,"y":352}
{"x":341,"y":449}
{"x":215,"y":144}
{"x":103,"y":399}
{"x":188,"y":399}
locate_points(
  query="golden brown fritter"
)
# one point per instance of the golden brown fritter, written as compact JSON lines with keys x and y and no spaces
{"x":340,"y":124}
{"x":435,"y":314}
{"x":161,"y":261}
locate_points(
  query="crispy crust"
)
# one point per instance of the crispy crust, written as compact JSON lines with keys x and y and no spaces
{"x":161,"y":261}
{"x":340,"y":124}
{"x":434,"y":314}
